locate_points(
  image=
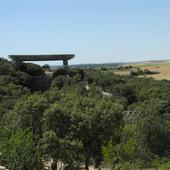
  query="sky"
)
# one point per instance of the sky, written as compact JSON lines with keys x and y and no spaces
{"x":97,"y":31}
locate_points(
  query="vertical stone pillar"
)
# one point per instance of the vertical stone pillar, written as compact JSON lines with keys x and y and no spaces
{"x":65,"y":63}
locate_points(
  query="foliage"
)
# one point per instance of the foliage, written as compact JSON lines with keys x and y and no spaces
{"x":87,"y":117}
{"x":31,"y":69}
{"x":138,"y":72}
{"x":46,"y":66}
{"x":164,"y":166}
{"x":21,"y":152}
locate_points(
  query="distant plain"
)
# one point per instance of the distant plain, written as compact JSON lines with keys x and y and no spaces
{"x":163,"y":67}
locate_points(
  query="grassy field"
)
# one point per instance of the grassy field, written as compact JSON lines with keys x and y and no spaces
{"x":163,"y":67}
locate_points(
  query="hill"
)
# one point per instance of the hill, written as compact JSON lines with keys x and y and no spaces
{"x":162,"y":67}
{"x":84,"y":118}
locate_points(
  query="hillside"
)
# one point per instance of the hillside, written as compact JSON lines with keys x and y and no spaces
{"x":162,"y":67}
{"x":83,"y":118}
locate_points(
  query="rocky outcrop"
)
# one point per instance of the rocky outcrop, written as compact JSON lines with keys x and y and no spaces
{"x":3,"y":168}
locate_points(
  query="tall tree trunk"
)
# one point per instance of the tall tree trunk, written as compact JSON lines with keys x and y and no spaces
{"x":98,"y":156}
{"x":87,"y":164}
{"x":54,"y":164}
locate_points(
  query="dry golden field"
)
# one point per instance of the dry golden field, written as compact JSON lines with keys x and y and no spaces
{"x":163,"y":67}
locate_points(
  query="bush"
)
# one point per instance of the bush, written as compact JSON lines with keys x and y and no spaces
{"x":46,"y":66}
{"x":62,"y":72}
{"x":21,"y":153}
{"x":164,"y":164}
{"x":146,"y":71}
{"x":136,"y":72}
{"x":31,"y":69}
{"x":126,"y":166}
{"x":133,"y":73}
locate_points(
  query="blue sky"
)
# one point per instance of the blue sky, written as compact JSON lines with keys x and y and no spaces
{"x":96,"y":31}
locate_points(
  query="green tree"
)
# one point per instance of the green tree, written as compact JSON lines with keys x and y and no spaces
{"x":95,"y":123}
{"x":20,"y":152}
{"x":27,"y":113}
{"x":57,"y":141}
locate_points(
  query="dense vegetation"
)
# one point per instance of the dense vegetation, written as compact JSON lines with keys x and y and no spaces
{"x":86,"y":117}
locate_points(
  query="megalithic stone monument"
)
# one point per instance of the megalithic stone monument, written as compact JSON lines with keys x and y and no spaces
{"x":45,"y":57}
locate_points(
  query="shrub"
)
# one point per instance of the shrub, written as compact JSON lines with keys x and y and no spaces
{"x":46,"y":66}
{"x":21,"y":153}
{"x":126,"y":166}
{"x":165,"y":166}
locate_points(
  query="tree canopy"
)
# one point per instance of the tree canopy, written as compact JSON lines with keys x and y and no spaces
{"x":86,"y":117}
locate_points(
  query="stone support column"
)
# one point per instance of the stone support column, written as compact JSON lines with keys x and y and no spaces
{"x":65,"y":63}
